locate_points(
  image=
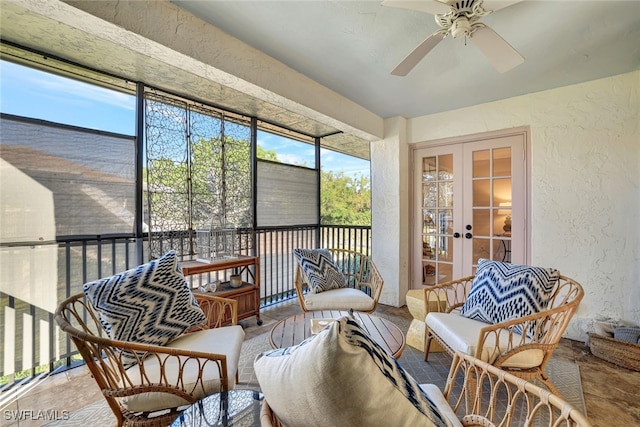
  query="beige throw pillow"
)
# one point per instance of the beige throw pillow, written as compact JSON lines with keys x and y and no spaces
{"x":341,"y":377}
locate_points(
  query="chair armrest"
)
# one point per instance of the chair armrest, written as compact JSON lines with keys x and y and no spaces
{"x":140,"y":378}
{"x":450,"y":295}
{"x":541,"y":330}
{"x":218,"y":310}
{"x":375,"y":282}
{"x":300,"y":284}
{"x":120,"y":377}
{"x":473,"y":385}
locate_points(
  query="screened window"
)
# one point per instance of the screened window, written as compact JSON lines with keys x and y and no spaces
{"x":61,"y":181}
{"x":287,"y":192}
{"x":72,"y":171}
{"x":198,"y":171}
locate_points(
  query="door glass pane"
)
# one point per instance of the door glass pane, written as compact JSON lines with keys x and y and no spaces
{"x":481,"y":249}
{"x":502,"y":250}
{"x":437,"y":216}
{"x":481,"y":222}
{"x":481,"y":165}
{"x":445,"y":194}
{"x":429,"y":273}
{"x":445,"y":170}
{"x":428,"y":168}
{"x":445,"y":272}
{"x":429,"y":223}
{"x":502,"y":192}
{"x":428,"y":251}
{"x":502,"y":162}
{"x":430,"y":193}
{"x":446,"y":224}
{"x":446,"y":249}
{"x":481,"y":193}
{"x":503,"y":226}
{"x":492,"y":196}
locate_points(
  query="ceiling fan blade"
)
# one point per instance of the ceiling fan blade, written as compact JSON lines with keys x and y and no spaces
{"x":494,"y":5}
{"x":429,"y":6}
{"x":500,"y":54}
{"x":418,"y":53}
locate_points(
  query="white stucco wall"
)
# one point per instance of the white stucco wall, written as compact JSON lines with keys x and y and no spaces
{"x":585,"y":184}
{"x":390,"y":207}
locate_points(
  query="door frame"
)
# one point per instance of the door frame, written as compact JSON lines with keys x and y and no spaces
{"x":524,"y":131}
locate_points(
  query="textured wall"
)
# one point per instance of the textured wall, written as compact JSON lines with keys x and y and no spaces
{"x":585,"y":184}
{"x":389,"y":211}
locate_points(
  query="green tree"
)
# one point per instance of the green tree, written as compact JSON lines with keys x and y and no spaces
{"x":219,"y":192}
{"x":344,"y":200}
{"x":267,"y":154}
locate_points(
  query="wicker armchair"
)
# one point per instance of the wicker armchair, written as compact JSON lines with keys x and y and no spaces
{"x":521,"y":346}
{"x":164,"y":379}
{"x":479,"y":394}
{"x":364,"y":285}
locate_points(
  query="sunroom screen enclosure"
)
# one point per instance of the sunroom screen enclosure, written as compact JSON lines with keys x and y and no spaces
{"x":190,"y":165}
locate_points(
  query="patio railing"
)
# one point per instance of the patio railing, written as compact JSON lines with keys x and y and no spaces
{"x":34,"y":345}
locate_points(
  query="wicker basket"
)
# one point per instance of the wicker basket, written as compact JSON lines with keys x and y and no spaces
{"x":621,"y":353}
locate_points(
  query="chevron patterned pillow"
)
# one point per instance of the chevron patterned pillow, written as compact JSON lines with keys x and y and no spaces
{"x":321,"y":271}
{"x":342,"y":377}
{"x":150,"y":304}
{"x":502,"y":291}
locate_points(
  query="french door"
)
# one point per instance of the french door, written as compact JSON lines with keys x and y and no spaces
{"x":468,"y":203}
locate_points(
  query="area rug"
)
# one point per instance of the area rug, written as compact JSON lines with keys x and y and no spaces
{"x":564,"y":373}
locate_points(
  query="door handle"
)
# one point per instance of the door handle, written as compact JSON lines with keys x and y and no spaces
{"x":456,"y":235}
{"x":468,"y":235}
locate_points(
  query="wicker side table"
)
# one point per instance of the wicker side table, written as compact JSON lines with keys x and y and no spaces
{"x":417,"y":328}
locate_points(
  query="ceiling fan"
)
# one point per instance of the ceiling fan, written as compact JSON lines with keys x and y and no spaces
{"x":461,"y":19}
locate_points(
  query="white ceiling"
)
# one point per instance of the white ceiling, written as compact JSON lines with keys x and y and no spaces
{"x":351,"y":47}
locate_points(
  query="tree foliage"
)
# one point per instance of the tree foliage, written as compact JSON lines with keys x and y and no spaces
{"x":344,"y":200}
{"x":267,"y":154}
{"x":213,"y":188}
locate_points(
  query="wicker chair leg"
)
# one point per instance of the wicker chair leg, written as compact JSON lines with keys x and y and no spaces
{"x":427,"y":344}
{"x":545,"y":379}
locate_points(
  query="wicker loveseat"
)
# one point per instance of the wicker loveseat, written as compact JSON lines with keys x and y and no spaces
{"x":361,"y":293}
{"x":521,"y":346}
{"x":479,"y":394}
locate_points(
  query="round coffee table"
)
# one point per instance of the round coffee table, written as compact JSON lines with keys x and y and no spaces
{"x":228,"y":408}
{"x":294,"y":329}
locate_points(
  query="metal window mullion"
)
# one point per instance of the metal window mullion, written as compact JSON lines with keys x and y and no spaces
{"x":139,"y":167}
{"x":318,"y":189}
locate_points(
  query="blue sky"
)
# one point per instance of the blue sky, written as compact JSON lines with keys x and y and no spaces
{"x":32,"y":93}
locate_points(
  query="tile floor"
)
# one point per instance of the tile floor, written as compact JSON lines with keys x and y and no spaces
{"x":610,"y":393}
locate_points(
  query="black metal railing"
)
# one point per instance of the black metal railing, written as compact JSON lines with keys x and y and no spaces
{"x":26,"y":312}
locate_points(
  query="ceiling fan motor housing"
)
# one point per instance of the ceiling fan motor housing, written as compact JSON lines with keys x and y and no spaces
{"x":460,"y":28}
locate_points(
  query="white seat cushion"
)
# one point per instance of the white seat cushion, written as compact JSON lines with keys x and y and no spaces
{"x":436,"y":396}
{"x":226,"y":340}
{"x":462,"y":333}
{"x":339,"y":299}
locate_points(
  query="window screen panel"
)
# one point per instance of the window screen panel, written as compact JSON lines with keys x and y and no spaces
{"x":287,"y":195}
{"x":81,"y":180}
